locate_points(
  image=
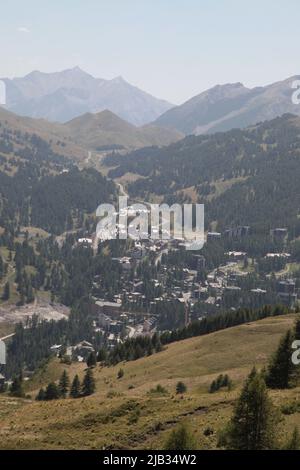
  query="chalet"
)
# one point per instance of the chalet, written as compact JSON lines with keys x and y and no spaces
{"x":212,"y":236}
{"x":56,"y":348}
{"x":278,"y":255}
{"x":236,"y":255}
{"x":258,"y":292}
{"x":83,"y":350}
{"x":85,"y":241}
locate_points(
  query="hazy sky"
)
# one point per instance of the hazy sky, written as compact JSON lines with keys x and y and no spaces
{"x":173,"y":49}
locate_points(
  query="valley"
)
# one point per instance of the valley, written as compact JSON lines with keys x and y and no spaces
{"x":122,"y":344}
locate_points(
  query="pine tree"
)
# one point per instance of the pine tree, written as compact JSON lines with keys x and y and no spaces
{"x":102,"y":355}
{"x":75,"y":387}
{"x":297,"y":328}
{"x":16,"y":388}
{"x":181,"y":387}
{"x":225,"y":381}
{"x":281,"y":369}
{"x":64,"y":383}
{"x":41,"y":395}
{"x":91,"y":360}
{"x":294,"y":442}
{"x":6,"y":292}
{"x":180,"y":439}
{"x":219,"y":381}
{"x":52,"y":392}
{"x":88,"y":384}
{"x":1,"y":267}
{"x":213,"y":387}
{"x":253,"y":424}
{"x":30,"y":296}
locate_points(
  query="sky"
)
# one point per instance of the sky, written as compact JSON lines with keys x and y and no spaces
{"x":173,"y":49}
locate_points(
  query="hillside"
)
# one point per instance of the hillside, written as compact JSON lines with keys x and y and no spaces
{"x":105,"y":131}
{"x":125,"y":414}
{"x":62,"y":96}
{"x":99,"y":132}
{"x":242,"y":176}
{"x":229,"y":106}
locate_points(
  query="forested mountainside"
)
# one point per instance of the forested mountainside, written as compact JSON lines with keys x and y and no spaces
{"x":246,"y":176}
{"x":43,"y":189}
{"x":46,"y":204}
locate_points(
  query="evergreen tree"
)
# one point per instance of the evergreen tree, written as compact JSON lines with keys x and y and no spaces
{"x":225,"y":381}
{"x":52,"y":392}
{"x":213,"y":387}
{"x":30,"y":296}
{"x":1,"y":267}
{"x":181,"y":387}
{"x":41,"y":395}
{"x":281,"y":368}
{"x":88,"y":384}
{"x":180,"y":439}
{"x":75,"y":387}
{"x":64,"y":383}
{"x":91,"y":360}
{"x":219,"y":381}
{"x":253,"y":424}
{"x":6,"y":292}
{"x":102,"y":355}
{"x":297,"y":328}
{"x":16,"y":388}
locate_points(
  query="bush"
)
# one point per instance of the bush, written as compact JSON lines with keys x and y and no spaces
{"x":208,"y":431}
{"x":290,"y":408}
{"x":134,"y":417}
{"x":159,"y":389}
{"x":180,"y":439}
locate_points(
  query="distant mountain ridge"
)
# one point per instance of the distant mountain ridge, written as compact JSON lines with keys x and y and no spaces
{"x":102,"y":131}
{"x":105,"y":129}
{"x":62,"y":96}
{"x":229,"y":106}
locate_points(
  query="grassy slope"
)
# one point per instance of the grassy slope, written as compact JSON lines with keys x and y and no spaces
{"x":99,"y":421}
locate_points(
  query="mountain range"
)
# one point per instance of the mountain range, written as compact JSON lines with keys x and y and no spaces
{"x":62,"y":96}
{"x":229,"y":106}
{"x":132,"y":118}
